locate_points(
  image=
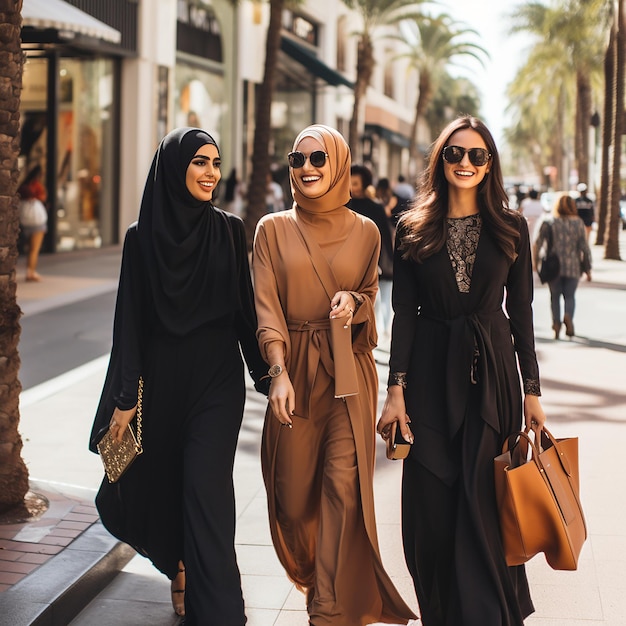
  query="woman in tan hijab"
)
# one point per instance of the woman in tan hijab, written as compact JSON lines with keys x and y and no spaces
{"x":314,"y":263}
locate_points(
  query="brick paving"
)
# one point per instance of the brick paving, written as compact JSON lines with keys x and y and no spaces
{"x":26,"y":545}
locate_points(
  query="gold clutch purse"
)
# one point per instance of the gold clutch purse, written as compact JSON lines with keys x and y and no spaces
{"x":117,"y":457}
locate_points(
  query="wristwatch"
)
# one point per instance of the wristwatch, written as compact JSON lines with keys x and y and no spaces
{"x":275,"y":370}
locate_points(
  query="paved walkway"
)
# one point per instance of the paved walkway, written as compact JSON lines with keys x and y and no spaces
{"x":46,"y":572}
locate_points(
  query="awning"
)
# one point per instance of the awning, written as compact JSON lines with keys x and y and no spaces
{"x":63,"y":17}
{"x":388,"y":135}
{"x":316,"y":66}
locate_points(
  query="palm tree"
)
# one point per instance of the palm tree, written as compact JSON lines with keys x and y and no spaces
{"x":13,"y":472}
{"x":542,"y":101}
{"x":602,"y":205}
{"x":455,"y":95}
{"x":577,"y":28}
{"x":375,"y":14}
{"x":434,"y":43}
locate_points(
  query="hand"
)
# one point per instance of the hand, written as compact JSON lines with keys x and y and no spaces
{"x":282,"y":398}
{"x":588,"y":274}
{"x":119,"y":422}
{"x":534,"y":417}
{"x":394,"y":410}
{"x":342,"y":306}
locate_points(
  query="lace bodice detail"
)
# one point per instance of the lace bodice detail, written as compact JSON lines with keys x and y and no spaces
{"x":462,"y":242}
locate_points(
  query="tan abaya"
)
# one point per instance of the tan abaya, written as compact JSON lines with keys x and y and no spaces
{"x":319,"y":474}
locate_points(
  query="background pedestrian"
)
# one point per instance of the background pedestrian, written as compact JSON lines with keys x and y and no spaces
{"x":360,"y":181}
{"x":585,"y":209}
{"x":33,"y":218}
{"x":532,"y":209}
{"x":569,"y":243}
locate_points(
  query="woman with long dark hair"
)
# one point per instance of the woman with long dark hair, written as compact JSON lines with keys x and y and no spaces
{"x":462,"y":297}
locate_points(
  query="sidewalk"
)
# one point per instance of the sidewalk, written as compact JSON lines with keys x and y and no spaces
{"x":52,"y":567}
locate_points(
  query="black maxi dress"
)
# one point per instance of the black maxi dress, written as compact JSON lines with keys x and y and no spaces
{"x":458,"y":348}
{"x":176,"y":501}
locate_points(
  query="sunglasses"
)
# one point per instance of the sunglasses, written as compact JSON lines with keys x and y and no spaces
{"x":455,"y":154}
{"x":298,"y":159}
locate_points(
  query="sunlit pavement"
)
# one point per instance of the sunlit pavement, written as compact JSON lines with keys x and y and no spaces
{"x":584,"y":395}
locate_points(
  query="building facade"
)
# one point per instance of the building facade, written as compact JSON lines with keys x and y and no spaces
{"x":105,"y":81}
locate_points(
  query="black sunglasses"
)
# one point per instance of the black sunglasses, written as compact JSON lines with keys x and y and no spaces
{"x":455,"y":154}
{"x":298,"y":159}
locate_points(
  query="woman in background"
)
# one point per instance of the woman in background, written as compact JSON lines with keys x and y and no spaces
{"x":33,"y":218}
{"x":567,"y":233}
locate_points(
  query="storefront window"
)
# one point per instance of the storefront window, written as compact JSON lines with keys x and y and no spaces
{"x":80,"y":172}
{"x":199,"y":100}
{"x":33,"y":118}
{"x":292,"y":107}
{"x":85,"y":174}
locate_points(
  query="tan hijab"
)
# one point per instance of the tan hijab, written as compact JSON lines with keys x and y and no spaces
{"x":327,"y":214}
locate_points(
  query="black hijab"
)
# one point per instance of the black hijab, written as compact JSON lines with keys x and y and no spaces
{"x":186,"y":244}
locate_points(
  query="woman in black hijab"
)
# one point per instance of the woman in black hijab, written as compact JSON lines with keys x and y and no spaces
{"x":184,"y":307}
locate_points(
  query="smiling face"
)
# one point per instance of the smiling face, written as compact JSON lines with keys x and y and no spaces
{"x":203,"y":173}
{"x":464,"y":175}
{"x":313,"y":182}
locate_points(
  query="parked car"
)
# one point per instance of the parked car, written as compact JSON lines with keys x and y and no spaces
{"x":622,"y":212}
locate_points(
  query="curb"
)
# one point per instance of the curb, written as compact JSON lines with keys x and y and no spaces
{"x":58,"y":590}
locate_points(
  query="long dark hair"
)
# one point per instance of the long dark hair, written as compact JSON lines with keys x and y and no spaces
{"x":422,"y":228}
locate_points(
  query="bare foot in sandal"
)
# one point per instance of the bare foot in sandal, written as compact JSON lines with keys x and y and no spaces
{"x":178,"y":591}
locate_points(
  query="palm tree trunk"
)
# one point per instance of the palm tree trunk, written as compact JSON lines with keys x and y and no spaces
{"x":611,"y":251}
{"x":263,"y":123}
{"x":364,"y":69}
{"x":583,"y":120}
{"x":562,"y":175}
{"x":607,"y":134}
{"x":13,"y":472}
{"x":423,"y":100}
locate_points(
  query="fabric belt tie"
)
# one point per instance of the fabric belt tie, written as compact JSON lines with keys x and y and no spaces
{"x":470,"y":360}
{"x":315,"y":353}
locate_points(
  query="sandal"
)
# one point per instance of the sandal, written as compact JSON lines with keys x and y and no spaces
{"x":178,"y":591}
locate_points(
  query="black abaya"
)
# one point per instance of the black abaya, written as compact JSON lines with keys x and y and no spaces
{"x":176,"y":502}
